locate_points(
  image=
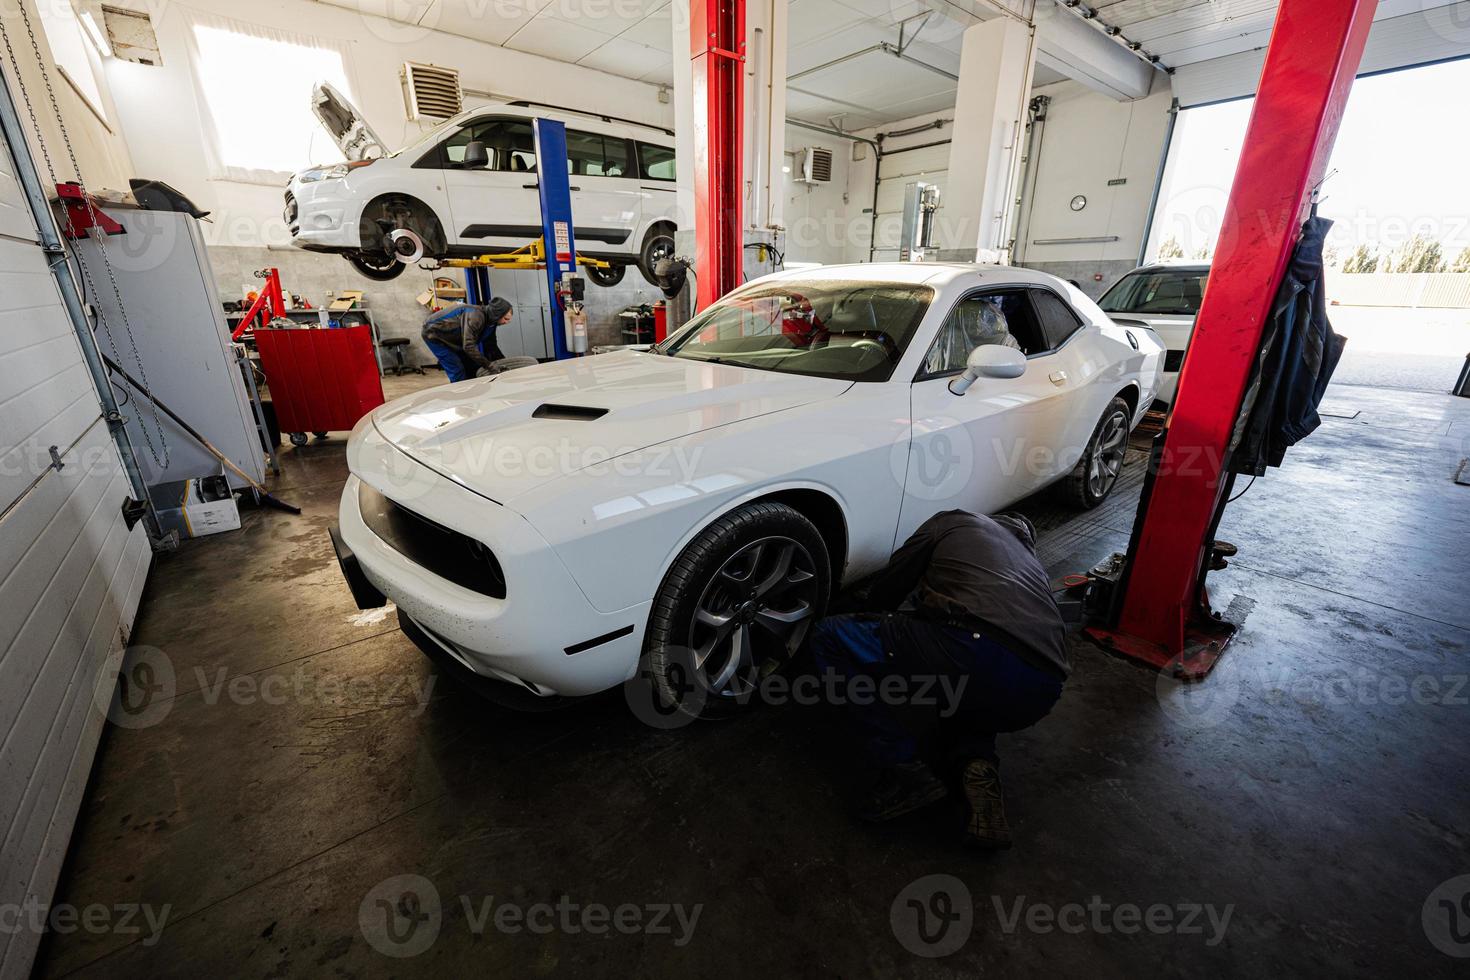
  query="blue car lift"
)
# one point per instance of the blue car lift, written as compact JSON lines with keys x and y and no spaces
{"x":558,"y":251}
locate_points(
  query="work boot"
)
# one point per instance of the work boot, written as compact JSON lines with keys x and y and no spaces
{"x":987,"y":827}
{"x":901,"y":789}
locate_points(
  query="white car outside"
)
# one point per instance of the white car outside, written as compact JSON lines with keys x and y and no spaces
{"x":691,"y":508}
{"x":1166,"y":298}
{"x":622,"y":178}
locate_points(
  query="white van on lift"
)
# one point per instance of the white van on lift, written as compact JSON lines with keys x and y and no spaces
{"x":468,"y":187}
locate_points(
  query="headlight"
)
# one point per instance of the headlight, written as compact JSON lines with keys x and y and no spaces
{"x":331,"y":173}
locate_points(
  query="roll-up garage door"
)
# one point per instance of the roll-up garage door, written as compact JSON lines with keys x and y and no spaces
{"x":70,"y":571}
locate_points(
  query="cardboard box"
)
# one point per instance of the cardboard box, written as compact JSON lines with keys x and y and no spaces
{"x":347,"y":299}
{"x":196,"y":507}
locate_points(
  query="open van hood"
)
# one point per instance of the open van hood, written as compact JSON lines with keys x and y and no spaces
{"x":349,"y":130}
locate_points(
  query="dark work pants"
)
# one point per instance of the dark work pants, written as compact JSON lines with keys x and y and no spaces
{"x":1001,"y":693}
{"x":456,"y":366}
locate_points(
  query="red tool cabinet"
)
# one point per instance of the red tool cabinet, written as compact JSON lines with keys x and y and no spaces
{"x":321,"y":380}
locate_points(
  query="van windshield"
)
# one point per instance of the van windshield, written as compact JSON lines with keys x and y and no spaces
{"x":428,"y":139}
{"x":828,"y":328}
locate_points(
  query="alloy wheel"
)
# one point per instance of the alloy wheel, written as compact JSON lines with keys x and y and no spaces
{"x":1107,"y":455}
{"x":753,"y":615}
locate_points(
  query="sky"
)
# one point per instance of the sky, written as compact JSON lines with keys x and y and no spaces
{"x":1402,"y":160}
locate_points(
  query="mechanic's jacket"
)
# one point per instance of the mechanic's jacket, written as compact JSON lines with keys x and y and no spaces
{"x":1299,"y":352}
{"x":462,"y":327}
{"x":977,"y":573}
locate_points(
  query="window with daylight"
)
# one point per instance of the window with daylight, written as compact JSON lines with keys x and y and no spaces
{"x":258,"y":123}
{"x":74,"y":51}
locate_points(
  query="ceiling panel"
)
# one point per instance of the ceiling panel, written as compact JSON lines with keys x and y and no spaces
{"x":556,"y":39}
{"x":619,"y":56}
{"x":479,"y":19}
{"x":610,"y":17}
{"x":656,"y":30}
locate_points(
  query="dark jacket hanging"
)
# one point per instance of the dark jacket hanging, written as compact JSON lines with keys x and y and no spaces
{"x":1299,"y":352}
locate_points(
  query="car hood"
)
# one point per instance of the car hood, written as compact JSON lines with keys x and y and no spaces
{"x":504,"y":436}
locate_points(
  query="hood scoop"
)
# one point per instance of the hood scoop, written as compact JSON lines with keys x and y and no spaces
{"x":568,"y":413}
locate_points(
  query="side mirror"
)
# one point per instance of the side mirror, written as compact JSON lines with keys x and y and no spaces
{"x":989,"y":361}
{"x":476,"y":157}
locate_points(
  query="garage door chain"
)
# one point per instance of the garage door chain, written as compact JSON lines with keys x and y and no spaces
{"x":162,"y":446}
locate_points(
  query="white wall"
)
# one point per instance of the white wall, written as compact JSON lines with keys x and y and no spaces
{"x":70,"y":572}
{"x":912,"y":159}
{"x":816,"y":215}
{"x":1089,"y":140}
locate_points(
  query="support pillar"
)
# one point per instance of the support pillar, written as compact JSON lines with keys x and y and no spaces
{"x":996,"y":63}
{"x":1164,"y":612}
{"x":717,"y":48}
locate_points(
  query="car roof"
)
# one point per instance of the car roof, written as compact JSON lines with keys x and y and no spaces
{"x":927,"y":273}
{"x":604,"y":124}
{"x":1189,"y":267}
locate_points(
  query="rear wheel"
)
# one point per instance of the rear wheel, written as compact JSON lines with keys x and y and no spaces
{"x":1096,"y":473}
{"x":657,"y":244}
{"x":735,"y":608}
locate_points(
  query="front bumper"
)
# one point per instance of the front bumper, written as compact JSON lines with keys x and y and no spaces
{"x":538,"y":636}
{"x":319,"y":217}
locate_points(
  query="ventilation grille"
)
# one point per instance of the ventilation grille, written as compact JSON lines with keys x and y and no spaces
{"x":817,"y":166}
{"x":431,"y":92}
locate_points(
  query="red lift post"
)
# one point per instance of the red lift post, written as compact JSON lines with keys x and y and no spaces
{"x":717,"y":45}
{"x":1164,"y":617}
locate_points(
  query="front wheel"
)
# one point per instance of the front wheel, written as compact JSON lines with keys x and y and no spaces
{"x":610,"y":276}
{"x":1096,"y":473}
{"x":735,"y":608}
{"x":658,"y":244}
{"x":377,"y":266}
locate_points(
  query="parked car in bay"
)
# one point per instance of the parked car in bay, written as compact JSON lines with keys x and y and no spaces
{"x":686,"y":511}
{"x":468,"y":187}
{"x":1167,"y":298}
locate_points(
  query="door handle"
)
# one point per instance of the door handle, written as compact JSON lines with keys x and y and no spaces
{"x":1058,"y":377}
{"x":532,"y":187}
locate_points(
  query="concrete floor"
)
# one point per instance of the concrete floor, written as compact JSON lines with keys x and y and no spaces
{"x":296,"y":773}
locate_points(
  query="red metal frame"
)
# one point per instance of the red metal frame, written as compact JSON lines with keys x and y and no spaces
{"x":83,"y":213}
{"x":717,"y":45}
{"x":269,"y":304}
{"x":1164,"y":618}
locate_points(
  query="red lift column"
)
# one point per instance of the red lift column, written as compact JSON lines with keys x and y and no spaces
{"x":717,"y":45}
{"x":1314,"y":53}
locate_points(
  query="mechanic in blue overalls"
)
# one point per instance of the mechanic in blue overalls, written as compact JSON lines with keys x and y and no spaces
{"x":462,"y":337}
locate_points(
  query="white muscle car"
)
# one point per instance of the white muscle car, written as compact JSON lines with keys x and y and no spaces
{"x":689,"y":509}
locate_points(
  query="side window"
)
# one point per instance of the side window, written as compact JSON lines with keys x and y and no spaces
{"x":615,"y":152}
{"x":584,"y":154}
{"x":1058,"y":321}
{"x":512,"y":146}
{"x":975,"y":321}
{"x":656,"y":162}
{"x":452,"y":149}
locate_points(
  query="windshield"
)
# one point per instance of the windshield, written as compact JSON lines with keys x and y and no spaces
{"x":827,"y":328}
{"x":1156,"y":292}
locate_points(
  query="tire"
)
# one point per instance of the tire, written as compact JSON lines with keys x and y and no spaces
{"x":610,"y":276}
{"x":298,"y":438}
{"x":701,"y":667}
{"x":1096,"y":473}
{"x":378,"y":267}
{"x":657,"y":244}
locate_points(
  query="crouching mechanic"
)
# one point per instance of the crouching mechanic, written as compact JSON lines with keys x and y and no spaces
{"x":462,"y":337}
{"x":965,"y":600}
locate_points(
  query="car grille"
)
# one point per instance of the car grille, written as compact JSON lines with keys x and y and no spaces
{"x":291,"y":211}
{"x":450,"y":555}
{"x":1173,"y":360}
